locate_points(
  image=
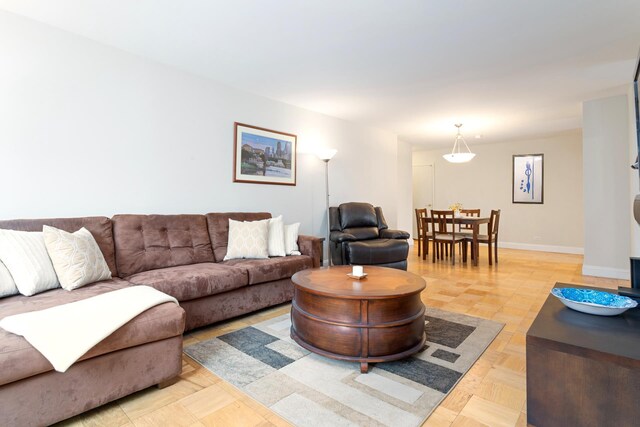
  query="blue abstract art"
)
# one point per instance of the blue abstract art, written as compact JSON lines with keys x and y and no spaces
{"x":528,"y":178}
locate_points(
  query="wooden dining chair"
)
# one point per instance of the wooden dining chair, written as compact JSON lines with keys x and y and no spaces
{"x":465,"y":229}
{"x":426,"y":236}
{"x":491,"y":239}
{"x":469,"y":212}
{"x":420,"y":214}
{"x":445,"y":236}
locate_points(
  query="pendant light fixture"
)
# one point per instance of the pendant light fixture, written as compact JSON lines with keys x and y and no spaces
{"x":457,"y":155}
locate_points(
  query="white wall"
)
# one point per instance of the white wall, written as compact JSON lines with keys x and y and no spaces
{"x":405,"y":188}
{"x":634,"y":179}
{"x":86,"y":129}
{"x":485,"y":183}
{"x":606,"y":187}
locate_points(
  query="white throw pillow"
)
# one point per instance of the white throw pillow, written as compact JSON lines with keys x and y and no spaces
{"x":25,"y":256}
{"x":248,"y":239}
{"x":7,"y":285}
{"x":276,"y":237}
{"x":76,"y":257}
{"x":291,"y":238}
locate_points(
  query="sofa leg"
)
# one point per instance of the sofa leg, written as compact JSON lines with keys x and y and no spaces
{"x":167,"y":383}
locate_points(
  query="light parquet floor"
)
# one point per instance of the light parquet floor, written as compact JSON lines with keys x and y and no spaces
{"x":492,"y":393}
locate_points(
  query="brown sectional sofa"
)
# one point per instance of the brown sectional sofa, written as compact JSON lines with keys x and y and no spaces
{"x":181,"y":255}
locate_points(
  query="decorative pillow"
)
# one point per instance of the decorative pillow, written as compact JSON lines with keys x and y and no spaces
{"x":25,"y":256}
{"x":276,"y":237}
{"x":291,"y":239}
{"x":7,"y":285}
{"x":76,"y":257}
{"x":248,"y":239}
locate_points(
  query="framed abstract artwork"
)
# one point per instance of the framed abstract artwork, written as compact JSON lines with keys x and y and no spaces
{"x":264,"y":156}
{"x":528,"y":178}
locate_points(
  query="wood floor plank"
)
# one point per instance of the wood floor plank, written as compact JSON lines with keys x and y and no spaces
{"x":234,"y":414}
{"x":207,"y":401}
{"x":171,"y":415}
{"x":490,"y":413}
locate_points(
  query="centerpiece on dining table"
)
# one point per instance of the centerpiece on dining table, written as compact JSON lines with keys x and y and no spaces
{"x":457,"y":209}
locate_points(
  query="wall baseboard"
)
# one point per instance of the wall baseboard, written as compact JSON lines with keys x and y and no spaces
{"x":542,"y":248}
{"x":612,"y":273}
{"x":531,"y":247}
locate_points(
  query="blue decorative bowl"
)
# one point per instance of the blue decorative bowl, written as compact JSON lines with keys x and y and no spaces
{"x":593,"y":302}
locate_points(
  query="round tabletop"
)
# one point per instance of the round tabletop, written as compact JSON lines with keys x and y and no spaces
{"x":381,"y":282}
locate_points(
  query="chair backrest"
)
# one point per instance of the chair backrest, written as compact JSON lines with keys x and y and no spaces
{"x":420,"y":213}
{"x":439,"y":221}
{"x":360,"y":219}
{"x":494,"y":222}
{"x":472,"y":213}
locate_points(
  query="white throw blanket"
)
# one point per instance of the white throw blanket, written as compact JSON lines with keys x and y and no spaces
{"x":66,"y":332}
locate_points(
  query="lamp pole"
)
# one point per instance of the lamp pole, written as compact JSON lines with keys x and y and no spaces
{"x":326,"y":180}
{"x":326,"y":155}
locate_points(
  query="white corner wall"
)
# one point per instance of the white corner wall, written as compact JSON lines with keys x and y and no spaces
{"x":634,"y":176}
{"x":405,"y":187}
{"x":86,"y":129}
{"x":606,"y":187}
{"x":485,"y":183}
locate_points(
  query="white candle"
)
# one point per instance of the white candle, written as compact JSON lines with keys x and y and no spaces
{"x":358,"y":270}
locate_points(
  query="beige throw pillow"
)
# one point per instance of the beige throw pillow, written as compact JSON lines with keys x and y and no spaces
{"x":25,"y":256}
{"x":76,"y":257}
{"x":248,"y":239}
{"x":276,"y":237}
{"x":7,"y":285}
{"x":291,"y":239}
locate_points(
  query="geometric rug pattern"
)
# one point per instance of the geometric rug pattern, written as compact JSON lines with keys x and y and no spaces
{"x":311,"y":390}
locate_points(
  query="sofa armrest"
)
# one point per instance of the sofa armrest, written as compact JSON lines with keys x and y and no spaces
{"x":312,"y":246}
{"x":339,"y":237}
{"x":393,"y":234}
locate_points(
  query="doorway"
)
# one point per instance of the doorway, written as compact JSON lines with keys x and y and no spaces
{"x":423,"y":190}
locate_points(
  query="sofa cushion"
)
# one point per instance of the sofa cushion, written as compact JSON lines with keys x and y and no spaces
{"x":187,"y":282}
{"x":148,"y":242}
{"x":218,"y":224}
{"x":21,"y":360}
{"x":267,"y":270}
{"x":99,"y":226}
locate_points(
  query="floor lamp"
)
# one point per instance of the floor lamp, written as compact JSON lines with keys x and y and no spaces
{"x":325,"y":156}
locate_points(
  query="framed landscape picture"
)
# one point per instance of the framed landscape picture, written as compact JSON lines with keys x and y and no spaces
{"x":264,"y":156}
{"x":528,"y":178}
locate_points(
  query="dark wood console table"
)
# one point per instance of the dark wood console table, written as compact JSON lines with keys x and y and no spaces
{"x":583,"y":370}
{"x":377,"y":319}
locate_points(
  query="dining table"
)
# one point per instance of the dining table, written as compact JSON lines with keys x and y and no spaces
{"x":473,"y":221}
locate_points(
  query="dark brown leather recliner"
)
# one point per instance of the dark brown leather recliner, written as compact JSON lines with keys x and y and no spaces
{"x":360,"y":236}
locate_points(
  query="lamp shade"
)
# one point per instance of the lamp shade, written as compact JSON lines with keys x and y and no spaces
{"x":326,"y":154}
{"x":459,"y":157}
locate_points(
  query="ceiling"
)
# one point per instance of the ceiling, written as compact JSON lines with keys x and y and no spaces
{"x":506,"y":69}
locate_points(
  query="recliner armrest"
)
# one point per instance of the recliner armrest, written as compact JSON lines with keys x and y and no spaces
{"x":339,"y":237}
{"x":393,"y":234}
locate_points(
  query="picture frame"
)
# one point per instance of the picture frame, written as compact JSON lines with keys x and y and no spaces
{"x":264,"y":156}
{"x":527,"y":179}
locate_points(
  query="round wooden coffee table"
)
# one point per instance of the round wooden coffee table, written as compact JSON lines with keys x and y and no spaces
{"x":376,"y":319}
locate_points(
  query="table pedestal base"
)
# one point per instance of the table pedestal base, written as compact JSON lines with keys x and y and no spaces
{"x":358,"y":330}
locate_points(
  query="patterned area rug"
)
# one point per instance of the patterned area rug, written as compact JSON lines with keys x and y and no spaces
{"x":311,"y":390}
